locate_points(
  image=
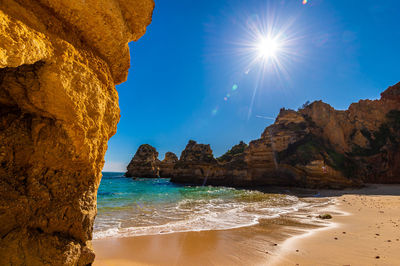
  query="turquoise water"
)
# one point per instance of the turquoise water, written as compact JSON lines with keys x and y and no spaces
{"x":128,"y":207}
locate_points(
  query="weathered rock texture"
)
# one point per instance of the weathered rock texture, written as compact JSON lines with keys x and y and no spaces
{"x":195,"y":164}
{"x":316,"y":146}
{"x":167,"y":165}
{"x":59,"y":63}
{"x":145,"y":163}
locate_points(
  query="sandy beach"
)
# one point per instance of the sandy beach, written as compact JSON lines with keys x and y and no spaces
{"x":364,"y":230}
{"x":369,"y":234}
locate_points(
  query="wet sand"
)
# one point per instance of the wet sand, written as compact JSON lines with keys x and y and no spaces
{"x":242,"y":246}
{"x":366,"y":224}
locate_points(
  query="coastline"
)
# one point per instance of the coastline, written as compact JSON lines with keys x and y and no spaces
{"x":281,"y":241}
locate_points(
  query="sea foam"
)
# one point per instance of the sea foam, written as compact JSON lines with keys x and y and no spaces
{"x":155,"y":206}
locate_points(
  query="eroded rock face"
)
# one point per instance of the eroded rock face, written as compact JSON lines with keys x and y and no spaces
{"x":145,"y":163}
{"x":316,"y":146}
{"x":368,"y":133}
{"x":167,"y":165}
{"x":195,"y":164}
{"x":59,"y":63}
{"x":292,"y":152}
{"x":319,"y":146}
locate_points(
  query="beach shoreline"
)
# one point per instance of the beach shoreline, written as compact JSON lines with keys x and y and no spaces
{"x":367,"y":233}
{"x":282,"y":241}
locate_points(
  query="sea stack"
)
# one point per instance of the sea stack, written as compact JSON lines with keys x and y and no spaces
{"x":59,"y":64}
{"x":316,"y":147}
{"x":145,"y":163}
{"x":196,"y":164}
{"x":167,"y":165}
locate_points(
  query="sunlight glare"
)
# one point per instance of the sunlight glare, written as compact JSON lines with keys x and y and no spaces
{"x":268,"y":47}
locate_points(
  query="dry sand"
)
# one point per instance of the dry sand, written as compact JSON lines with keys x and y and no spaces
{"x":366,"y":224}
{"x":369,"y":234}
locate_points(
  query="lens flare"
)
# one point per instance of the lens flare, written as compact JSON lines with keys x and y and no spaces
{"x":271,"y":42}
{"x":214,"y":111}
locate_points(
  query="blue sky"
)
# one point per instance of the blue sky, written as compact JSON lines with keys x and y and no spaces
{"x":190,"y":76}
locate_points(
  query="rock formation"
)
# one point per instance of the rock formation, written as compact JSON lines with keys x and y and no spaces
{"x":167,"y":165}
{"x":316,"y":146}
{"x":368,"y":134}
{"x":235,"y":151}
{"x":59,"y":63}
{"x":195,"y":164}
{"x":292,"y":152}
{"x":145,"y":163}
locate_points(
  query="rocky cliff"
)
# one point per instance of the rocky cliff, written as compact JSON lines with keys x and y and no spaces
{"x":196,"y":164}
{"x":167,"y":165}
{"x":145,"y":163}
{"x":316,"y":146}
{"x":59,"y":63}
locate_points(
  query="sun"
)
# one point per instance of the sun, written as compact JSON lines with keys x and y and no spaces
{"x":268,"y":47}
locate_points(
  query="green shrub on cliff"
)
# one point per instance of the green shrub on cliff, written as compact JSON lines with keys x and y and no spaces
{"x":388,"y":133}
{"x":302,"y":152}
{"x":314,"y":148}
{"x":237,"y":149}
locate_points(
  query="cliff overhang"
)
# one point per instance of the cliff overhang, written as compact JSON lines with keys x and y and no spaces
{"x":59,"y":64}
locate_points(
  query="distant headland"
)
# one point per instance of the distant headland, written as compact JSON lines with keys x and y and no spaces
{"x":316,"y":147}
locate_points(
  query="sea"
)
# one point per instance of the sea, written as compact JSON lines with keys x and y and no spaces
{"x":133,"y":207}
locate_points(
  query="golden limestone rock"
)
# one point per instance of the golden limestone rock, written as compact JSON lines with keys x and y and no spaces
{"x":319,"y":146}
{"x":145,"y":163}
{"x":316,"y":146}
{"x":167,"y":165}
{"x":59,"y":63}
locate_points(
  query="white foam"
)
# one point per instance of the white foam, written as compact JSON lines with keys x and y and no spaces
{"x":201,"y":215}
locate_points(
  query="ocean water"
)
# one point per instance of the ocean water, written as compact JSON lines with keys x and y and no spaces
{"x":128,"y":207}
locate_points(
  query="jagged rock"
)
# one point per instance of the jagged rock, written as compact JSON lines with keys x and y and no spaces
{"x":195,"y":164}
{"x":197,"y":154}
{"x":235,"y":151}
{"x":145,"y":163}
{"x":167,"y":165}
{"x":59,"y":63}
{"x":316,"y":146}
{"x":170,"y":157}
{"x":367,"y":133}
